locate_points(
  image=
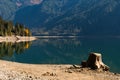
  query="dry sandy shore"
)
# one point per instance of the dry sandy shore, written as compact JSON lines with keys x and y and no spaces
{"x":16,"y":38}
{"x":19,"y":71}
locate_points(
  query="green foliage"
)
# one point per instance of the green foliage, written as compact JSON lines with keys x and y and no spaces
{"x":8,"y":29}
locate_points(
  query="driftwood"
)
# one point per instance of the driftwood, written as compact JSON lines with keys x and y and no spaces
{"x":95,"y":62}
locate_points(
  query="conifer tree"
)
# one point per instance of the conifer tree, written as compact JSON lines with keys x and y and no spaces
{"x":8,"y":29}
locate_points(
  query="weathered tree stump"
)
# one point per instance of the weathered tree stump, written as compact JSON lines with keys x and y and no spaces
{"x":95,"y":62}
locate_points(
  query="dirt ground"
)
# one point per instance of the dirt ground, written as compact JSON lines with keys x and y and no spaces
{"x":19,"y":71}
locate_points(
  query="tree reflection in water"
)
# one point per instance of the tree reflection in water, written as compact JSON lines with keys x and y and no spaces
{"x":7,"y":49}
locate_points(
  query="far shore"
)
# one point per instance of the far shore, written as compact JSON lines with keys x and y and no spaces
{"x":16,"y":38}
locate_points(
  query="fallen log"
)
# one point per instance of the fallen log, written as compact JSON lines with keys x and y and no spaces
{"x":95,"y":62}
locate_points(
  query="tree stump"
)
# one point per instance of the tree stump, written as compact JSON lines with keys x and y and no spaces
{"x":95,"y":62}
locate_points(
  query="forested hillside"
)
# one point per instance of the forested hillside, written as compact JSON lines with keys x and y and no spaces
{"x":8,"y":8}
{"x":7,"y":28}
{"x":72,"y":17}
{"x":65,"y":17}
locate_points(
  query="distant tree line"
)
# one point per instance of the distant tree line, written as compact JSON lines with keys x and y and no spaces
{"x":8,"y":29}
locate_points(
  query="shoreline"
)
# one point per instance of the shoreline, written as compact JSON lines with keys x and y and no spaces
{"x":16,"y":38}
{"x":21,"y":71}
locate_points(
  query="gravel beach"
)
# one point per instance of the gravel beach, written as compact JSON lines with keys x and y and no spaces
{"x":20,"y":71}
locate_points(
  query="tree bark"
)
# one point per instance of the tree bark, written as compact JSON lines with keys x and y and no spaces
{"x":95,"y":62}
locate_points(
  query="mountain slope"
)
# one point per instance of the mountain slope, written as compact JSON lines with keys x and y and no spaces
{"x":47,"y":10}
{"x":23,"y":3}
{"x":73,"y":17}
{"x":8,"y":8}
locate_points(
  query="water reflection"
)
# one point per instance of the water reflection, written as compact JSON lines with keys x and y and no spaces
{"x":59,"y":51}
{"x":8,"y":49}
{"x":73,"y":51}
{"x":62,"y":51}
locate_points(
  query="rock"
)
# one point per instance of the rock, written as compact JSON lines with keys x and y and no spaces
{"x":49,"y":74}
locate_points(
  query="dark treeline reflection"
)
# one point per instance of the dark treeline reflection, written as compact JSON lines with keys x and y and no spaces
{"x":7,"y":49}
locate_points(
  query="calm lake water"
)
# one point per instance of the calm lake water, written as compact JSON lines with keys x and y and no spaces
{"x":63,"y":51}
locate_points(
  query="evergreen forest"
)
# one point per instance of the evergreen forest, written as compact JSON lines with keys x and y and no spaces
{"x":7,"y":28}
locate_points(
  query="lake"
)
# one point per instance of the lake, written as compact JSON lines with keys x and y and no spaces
{"x":63,"y":51}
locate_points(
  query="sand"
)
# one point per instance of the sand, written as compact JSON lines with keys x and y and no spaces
{"x":20,"y":71}
{"x":16,"y":38}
